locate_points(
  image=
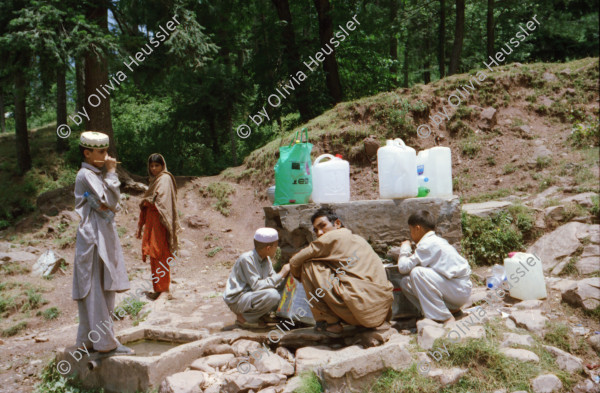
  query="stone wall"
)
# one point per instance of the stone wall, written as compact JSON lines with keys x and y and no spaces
{"x":382,"y":222}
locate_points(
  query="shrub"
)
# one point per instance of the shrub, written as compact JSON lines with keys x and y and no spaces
{"x":51,"y":313}
{"x":487,"y":241}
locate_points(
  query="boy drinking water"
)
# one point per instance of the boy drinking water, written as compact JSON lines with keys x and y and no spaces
{"x":99,"y":269}
{"x":251,"y":291}
{"x":438,"y":277}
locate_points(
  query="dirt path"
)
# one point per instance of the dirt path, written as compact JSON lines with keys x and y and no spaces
{"x":198,"y":279}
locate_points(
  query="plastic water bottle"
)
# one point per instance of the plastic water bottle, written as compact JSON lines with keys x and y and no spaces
{"x":108,"y":215}
{"x":423,"y":182}
{"x":497,"y":278}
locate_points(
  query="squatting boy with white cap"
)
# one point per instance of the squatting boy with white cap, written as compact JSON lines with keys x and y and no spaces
{"x":99,"y":269}
{"x":251,"y":291}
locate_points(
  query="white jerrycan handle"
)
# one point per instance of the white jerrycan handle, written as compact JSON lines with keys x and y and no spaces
{"x":323,"y":156}
{"x":397,"y":143}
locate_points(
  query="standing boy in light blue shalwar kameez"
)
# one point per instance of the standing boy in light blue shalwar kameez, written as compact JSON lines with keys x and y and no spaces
{"x":99,"y":269}
{"x":439,"y":278}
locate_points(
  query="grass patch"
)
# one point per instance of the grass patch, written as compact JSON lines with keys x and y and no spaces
{"x":543,"y":162}
{"x":214,"y":252}
{"x":221,"y":191}
{"x":33,"y":300}
{"x":509,"y":168}
{"x":51,"y":313}
{"x":470,"y":147}
{"x":310,"y":383}
{"x":14,"y":268}
{"x":15,"y":329}
{"x":488,"y":196}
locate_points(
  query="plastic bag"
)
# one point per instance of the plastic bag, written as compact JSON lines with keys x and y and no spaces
{"x":293,"y":172}
{"x":293,"y":299}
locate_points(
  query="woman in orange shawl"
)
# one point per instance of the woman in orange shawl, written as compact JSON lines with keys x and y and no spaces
{"x":159,"y":215}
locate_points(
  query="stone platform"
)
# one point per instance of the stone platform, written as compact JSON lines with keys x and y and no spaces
{"x":382,"y":222}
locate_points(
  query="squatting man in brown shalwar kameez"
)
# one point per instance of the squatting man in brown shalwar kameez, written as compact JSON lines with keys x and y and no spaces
{"x":346,"y":276}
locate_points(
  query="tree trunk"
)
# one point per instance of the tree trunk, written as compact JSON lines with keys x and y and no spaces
{"x":96,"y":75}
{"x":459,"y":33}
{"x":442,"y":40}
{"x":22,"y":138}
{"x":80,"y":84}
{"x":405,"y":65}
{"x":329,"y":64}
{"x":2,"y":120}
{"x":490,"y":28}
{"x":302,"y":97}
{"x":62,"y":144}
{"x":392,"y":38}
{"x":232,"y":137}
{"x":427,"y":65}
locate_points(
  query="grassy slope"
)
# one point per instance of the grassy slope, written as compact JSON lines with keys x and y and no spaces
{"x":396,"y":114}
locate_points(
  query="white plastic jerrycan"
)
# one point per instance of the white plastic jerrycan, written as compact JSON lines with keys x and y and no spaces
{"x":331,"y":179}
{"x":525,"y":276}
{"x":439,"y":171}
{"x":397,"y":167}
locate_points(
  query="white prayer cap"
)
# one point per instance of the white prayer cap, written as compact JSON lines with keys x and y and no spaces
{"x":266,"y":235}
{"x":93,"y":140}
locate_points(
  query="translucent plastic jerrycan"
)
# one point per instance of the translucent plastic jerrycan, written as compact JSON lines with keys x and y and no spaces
{"x":525,"y":276}
{"x":437,"y":163}
{"x":397,"y":167}
{"x":331,"y":179}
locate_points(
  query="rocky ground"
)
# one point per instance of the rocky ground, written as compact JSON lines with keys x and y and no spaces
{"x":522,"y":157}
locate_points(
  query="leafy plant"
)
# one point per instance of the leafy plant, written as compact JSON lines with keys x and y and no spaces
{"x":131,"y":306}
{"x":214,"y":252}
{"x":487,"y":241}
{"x":51,"y":313}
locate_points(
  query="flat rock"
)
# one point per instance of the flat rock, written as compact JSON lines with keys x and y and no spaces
{"x":511,"y":339}
{"x":292,"y":385}
{"x":521,"y":355}
{"x":447,"y":376}
{"x":212,"y":363}
{"x":558,"y":244}
{"x":238,"y":382}
{"x":274,"y":364}
{"x":361,"y":367}
{"x":549,"y":77}
{"x":528,"y":304}
{"x":309,"y":358}
{"x":485,"y":209}
{"x":556,"y":213}
{"x":541,"y":198}
{"x":532,"y":320}
{"x":488,"y":115}
{"x":546,"y":383}
{"x":594,"y":341}
{"x":584,"y":199}
{"x":584,"y":293}
{"x":18,"y":256}
{"x":184,"y":382}
{"x":428,"y":335}
{"x":565,"y":360}
{"x":48,"y":263}
{"x":586,"y":386}
{"x":245,"y":347}
{"x":589,"y":261}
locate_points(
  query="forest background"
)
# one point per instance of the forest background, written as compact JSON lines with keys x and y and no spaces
{"x":223,"y":61}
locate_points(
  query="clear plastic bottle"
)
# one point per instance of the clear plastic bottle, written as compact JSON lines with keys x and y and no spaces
{"x":497,"y":278}
{"x":108,"y":215}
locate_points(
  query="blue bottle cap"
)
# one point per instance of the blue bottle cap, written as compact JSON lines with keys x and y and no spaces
{"x":86,"y":194}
